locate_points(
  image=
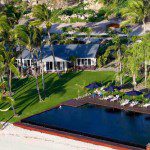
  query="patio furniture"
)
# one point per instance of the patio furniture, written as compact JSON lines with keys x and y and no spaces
{"x":125,"y":102}
{"x":146,"y":105}
{"x":115,"y":98}
{"x":108,"y":98}
{"x":132,"y":104}
{"x":147,"y":96}
{"x":111,"y":88}
{"x":92,"y":86}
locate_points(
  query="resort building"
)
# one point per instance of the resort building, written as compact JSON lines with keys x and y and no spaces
{"x":82,"y":57}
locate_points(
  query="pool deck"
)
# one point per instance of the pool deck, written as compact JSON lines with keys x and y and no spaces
{"x":106,"y":103}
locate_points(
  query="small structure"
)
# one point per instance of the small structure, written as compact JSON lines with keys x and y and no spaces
{"x":85,"y":57}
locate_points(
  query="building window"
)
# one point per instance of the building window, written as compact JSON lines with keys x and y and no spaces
{"x":78,"y":62}
{"x":28,"y":62}
{"x":89,"y":62}
{"x":82,"y":61}
{"x":51,"y":66}
{"x":86,"y":62}
{"x":58,"y":65}
{"x":47,"y":66}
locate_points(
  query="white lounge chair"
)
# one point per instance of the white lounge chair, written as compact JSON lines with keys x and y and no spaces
{"x":115,"y":98}
{"x":108,"y":98}
{"x":132,"y":104}
{"x":146,"y":105}
{"x":125,"y":102}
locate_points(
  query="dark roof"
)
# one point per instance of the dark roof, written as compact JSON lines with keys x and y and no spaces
{"x":66,"y":51}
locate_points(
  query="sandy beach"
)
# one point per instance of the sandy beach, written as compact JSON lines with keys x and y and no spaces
{"x":15,"y":138}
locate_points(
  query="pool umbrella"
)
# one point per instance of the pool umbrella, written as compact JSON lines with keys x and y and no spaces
{"x":111,"y":88}
{"x":118,"y":87}
{"x":92,"y":86}
{"x":133,"y":93}
{"x":147,"y":96}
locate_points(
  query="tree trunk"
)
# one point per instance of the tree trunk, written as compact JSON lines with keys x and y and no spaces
{"x":55,"y":64}
{"x":54,"y":60}
{"x":121,"y":80}
{"x":37,"y":85}
{"x":144,"y":25}
{"x":120,"y":66}
{"x":21,"y":67}
{"x":43,"y":80}
{"x":36,"y":77}
{"x":43,"y":83}
{"x":9,"y":82}
{"x":14,"y":111}
{"x":134,"y":81}
{"x":146,"y":73}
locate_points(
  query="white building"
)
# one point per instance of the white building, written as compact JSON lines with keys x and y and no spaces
{"x":85,"y":57}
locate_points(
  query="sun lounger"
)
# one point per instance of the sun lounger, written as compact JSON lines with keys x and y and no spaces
{"x":146,"y":105}
{"x":108,"y":98}
{"x":132,"y":104}
{"x":102,"y":88}
{"x":125,"y":102}
{"x":115,"y":98}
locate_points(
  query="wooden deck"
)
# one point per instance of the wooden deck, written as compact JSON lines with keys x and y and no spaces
{"x":106,"y":103}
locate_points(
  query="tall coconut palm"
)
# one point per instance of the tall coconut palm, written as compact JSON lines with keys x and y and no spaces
{"x":145,"y":48}
{"x":42,"y":13}
{"x":21,"y":39}
{"x":119,"y":49}
{"x":9,"y":67}
{"x":136,"y":11}
{"x":34,"y":41}
{"x":10,"y":100}
{"x":132,"y":62}
{"x":73,"y":60}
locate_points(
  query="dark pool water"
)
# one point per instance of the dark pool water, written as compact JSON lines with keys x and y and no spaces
{"x":99,"y":122}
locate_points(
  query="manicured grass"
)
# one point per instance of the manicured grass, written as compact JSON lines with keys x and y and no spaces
{"x":57,"y":91}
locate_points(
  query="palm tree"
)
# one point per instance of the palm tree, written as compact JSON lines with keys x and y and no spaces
{"x":34,"y":41}
{"x":21,"y":39}
{"x":41,"y":12}
{"x":132,"y":62}
{"x":73,"y":60}
{"x":136,"y":11}
{"x":5,"y":66}
{"x":119,"y":48}
{"x":8,"y":67}
{"x":145,"y":46}
{"x":9,"y":100}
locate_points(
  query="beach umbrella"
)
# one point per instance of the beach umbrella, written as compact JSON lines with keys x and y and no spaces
{"x":92,"y":86}
{"x":112,"y":88}
{"x":109,"y":89}
{"x":147,"y":96}
{"x":133,"y":93}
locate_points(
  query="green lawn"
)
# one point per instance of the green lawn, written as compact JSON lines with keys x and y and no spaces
{"x":57,"y":90}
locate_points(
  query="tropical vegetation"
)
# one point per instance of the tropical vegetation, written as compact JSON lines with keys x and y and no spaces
{"x":24,"y":26}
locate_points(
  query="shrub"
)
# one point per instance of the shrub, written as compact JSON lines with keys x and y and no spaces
{"x":1,"y":126}
{"x":67,"y":12}
{"x":99,"y":62}
{"x":127,"y":97}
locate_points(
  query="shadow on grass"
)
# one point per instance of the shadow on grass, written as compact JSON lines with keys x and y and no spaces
{"x":27,"y":95}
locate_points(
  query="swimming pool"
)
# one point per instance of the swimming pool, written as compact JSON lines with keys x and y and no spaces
{"x":97,"y":122}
